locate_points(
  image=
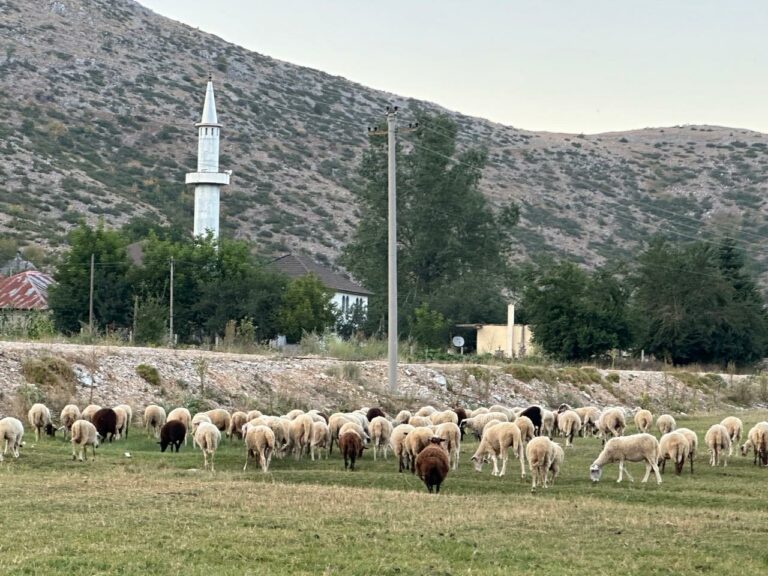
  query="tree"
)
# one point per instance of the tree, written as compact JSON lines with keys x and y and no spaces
{"x":429,"y":328}
{"x":68,"y":298}
{"x":306,"y":307}
{"x":350,"y":322}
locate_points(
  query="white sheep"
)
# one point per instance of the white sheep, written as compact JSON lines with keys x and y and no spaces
{"x":357,"y":428}
{"x":69,"y":415}
{"x":381,"y":430}
{"x":220,"y":418}
{"x":718,"y":441}
{"x":238,"y":420}
{"x":666,"y":423}
{"x":541,"y":455}
{"x":478,"y":411}
{"x":259,"y":440}
{"x":12,"y":431}
{"x":569,"y":424}
{"x":527,"y":429}
{"x":154,"y":419}
{"x":416,"y":440}
{"x":634,"y":448}
{"x":443,"y":417}
{"x":121,"y":422}
{"x":643,"y":420}
{"x":402,"y":417}
{"x":294,"y":413}
{"x":548,"y":422}
{"x":129,"y":415}
{"x":185,"y":417}
{"x":734,"y":426}
{"x":397,"y":442}
{"x":757,"y":440}
{"x":198,"y":419}
{"x":589,"y":417}
{"x":426,"y":411}
{"x":300,"y":434}
{"x":83,"y":435}
{"x":321,"y":438}
{"x":420,"y":421}
{"x":504,"y":410}
{"x":89,"y":411}
{"x":335,"y":422}
{"x":674,"y":446}
{"x":208,"y":437}
{"x":476,"y":424}
{"x":611,"y":423}
{"x":39,"y":417}
{"x":693,"y":443}
{"x":557,"y":463}
{"x":253,"y":414}
{"x":495,"y":443}
{"x":450,"y":432}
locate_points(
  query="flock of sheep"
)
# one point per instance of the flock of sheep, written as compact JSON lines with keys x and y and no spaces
{"x":427,"y":443}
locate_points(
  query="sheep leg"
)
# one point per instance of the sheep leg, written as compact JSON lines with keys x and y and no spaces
{"x":374,"y":450}
{"x":495,"y":465}
{"x":504,"y":457}
{"x":247,"y":457}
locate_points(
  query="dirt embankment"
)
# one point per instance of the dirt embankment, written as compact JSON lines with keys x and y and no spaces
{"x":108,"y":376}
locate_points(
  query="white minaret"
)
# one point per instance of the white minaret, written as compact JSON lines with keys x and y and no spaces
{"x":207,"y":180}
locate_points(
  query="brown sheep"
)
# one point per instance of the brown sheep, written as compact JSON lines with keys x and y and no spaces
{"x":432,"y":465}
{"x":350,"y":445}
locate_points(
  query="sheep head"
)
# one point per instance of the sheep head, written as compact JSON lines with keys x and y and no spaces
{"x":50,"y":430}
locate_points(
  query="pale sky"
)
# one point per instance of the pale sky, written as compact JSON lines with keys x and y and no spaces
{"x":558,"y":65}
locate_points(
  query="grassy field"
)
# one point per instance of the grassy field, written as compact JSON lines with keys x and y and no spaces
{"x":159,"y":513}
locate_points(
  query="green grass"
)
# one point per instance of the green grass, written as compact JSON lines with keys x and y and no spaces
{"x":160,"y":513}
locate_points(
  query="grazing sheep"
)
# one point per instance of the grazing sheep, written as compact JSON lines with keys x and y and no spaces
{"x":89,"y":411}
{"x":236,"y":424}
{"x":84,"y":434}
{"x":718,"y":441}
{"x":504,"y":410}
{"x":122,"y":422}
{"x":635,"y":448}
{"x":526,"y":428}
{"x":282,"y":430}
{"x":351,"y":446}
{"x":665,"y":423}
{"x":757,"y":440}
{"x":611,"y":423}
{"x":105,"y":421}
{"x":12,"y":431}
{"x":569,"y":424}
{"x":426,"y":411}
{"x":557,"y":463}
{"x":154,"y":418}
{"x":403,"y":417}
{"x":375,"y":412}
{"x":260,"y":440}
{"x":449,"y":431}
{"x":420,"y":421}
{"x":172,"y":434}
{"x":443,"y":417}
{"x":300,"y":435}
{"x":476,"y":424}
{"x":198,"y":419}
{"x":534,"y":414}
{"x":182,"y":415}
{"x":354,"y":426}
{"x":220,"y":418}
{"x":461,"y":414}
{"x":693,"y":443}
{"x":294,"y":413}
{"x":541,"y":454}
{"x":676,"y":447}
{"x":432,"y":465}
{"x":548,"y":423}
{"x":589,"y":417}
{"x":335,"y":422}
{"x":643,"y":420}
{"x":496,"y":442}
{"x":39,"y":417}
{"x":478,"y":411}
{"x":208,"y":437}
{"x":318,"y":416}
{"x":253,"y":414}
{"x":381,"y":430}
{"x":397,"y":442}
{"x":129,"y":416}
{"x":734,"y":426}
{"x":415,"y":442}
{"x":69,"y":415}
{"x":321,"y":438}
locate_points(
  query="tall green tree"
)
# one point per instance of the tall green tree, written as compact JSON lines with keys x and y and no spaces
{"x":306,"y":307}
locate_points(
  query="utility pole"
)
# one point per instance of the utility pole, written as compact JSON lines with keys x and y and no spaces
{"x":90,"y":299}
{"x":171,"y":307}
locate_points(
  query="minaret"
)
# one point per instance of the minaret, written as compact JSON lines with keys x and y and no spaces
{"x":207,"y":180}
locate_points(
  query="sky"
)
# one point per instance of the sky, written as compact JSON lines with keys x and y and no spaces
{"x":579,"y":66}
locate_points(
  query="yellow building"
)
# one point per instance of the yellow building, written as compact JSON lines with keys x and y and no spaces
{"x":510,"y":340}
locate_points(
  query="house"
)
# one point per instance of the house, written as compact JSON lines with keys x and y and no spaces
{"x":509,"y":340}
{"x":23,"y":301}
{"x":346,"y":293}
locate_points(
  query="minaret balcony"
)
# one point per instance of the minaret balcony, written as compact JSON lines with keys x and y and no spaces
{"x":220,"y":178}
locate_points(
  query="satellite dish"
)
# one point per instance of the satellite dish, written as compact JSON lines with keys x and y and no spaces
{"x":458,"y":341}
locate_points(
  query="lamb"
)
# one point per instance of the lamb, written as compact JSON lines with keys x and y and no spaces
{"x":236,"y":424}
{"x":496,"y":441}
{"x":693,"y":443}
{"x":476,"y":424}
{"x":541,"y":455}
{"x":381,"y":430}
{"x":89,"y":411}
{"x":666,"y":424}
{"x":734,"y":426}
{"x":154,"y":418}
{"x":432,"y":465}
{"x":718,"y":440}
{"x":569,"y":424}
{"x":321,"y":438}
{"x":676,"y":447}
{"x":757,"y":440}
{"x":84,"y":434}
{"x":105,"y":421}
{"x":12,"y":431}
{"x":172,"y":434}
{"x":611,"y":423}
{"x":635,"y":448}
{"x":643,"y":420}
{"x":69,"y":415}
{"x":351,"y":445}
{"x":182,"y":415}
{"x":450,"y":432}
{"x":415,"y":442}
{"x":397,"y":442}
{"x":300,"y":434}
{"x":259,"y":440}
{"x":220,"y":418}
{"x":443,"y":417}
{"x":208,"y":437}
{"x":426,"y":411}
{"x":39,"y":417}
{"x":589,"y":417}
{"x":403,"y":417}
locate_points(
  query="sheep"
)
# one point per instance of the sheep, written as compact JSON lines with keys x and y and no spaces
{"x":557,"y":463}
{"x":426,"y":411}
{"x":540,"y":454}
{"x":208,"y":437}
{"x":236,"y":424}
{"x":318,"y":416}
{"x":675,"y":446}
{"x":503,"y":409}
{"x":220,"y":418}
{"x":12,"y":431}
{"x":172,"y":434}
{"x":717,"y":440}
{"x":589,"y":417}
{"x":300,"y":434}
{"x":69,"y":415}
{"x":665,"y":423}
{"x":335,"y":422}
{"x":84,"y":434}
{"x":253,"y":414}
{"x":182,"y":415}
{"x":121,"y":424}
{"x":643,"y":420}
{"x":526,"y":428}
{"x":260,"y":440}
{"x":89,"y":411}
{"x":449,"y":431}
{"x":569,"y":424}
{"x":415,"y":442}
{"x":757,"y":440}
{"x":535,"y":415}
{"x":402,"y":417}
{"x":476,"y":424}
{"x":420,"y":421}
{"x":693,"y":443}
{"x":381,"y":430}
{"x":443,"y":417}
{"x":611,"y":423}
{"x":461,"y":414}
{"x":321,"y":438}
{"x":154,"y":418}
{"x":198,"y":419}
{"x":39,"y":417}
{"x":496,"y":441}
{"x":374,"y":412}
{"x":105,"y":421}
{"x":734,"y":426}
{"x":397,"y":443}
{"x":294,"y":413}
{"x":432,"y":464}
{"x":129,"y":416}
{"x":478,"y":411}
{"x":282,"y":430}
{"x":351,"y":446}
{"x":634,"y":448}
{"x":548,"y":423}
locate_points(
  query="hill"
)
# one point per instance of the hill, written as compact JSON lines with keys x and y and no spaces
{"x":99,"y":97}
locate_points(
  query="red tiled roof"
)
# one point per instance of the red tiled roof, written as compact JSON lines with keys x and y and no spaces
{"x":25,"y":291}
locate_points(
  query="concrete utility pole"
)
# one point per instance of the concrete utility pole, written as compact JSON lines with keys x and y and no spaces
{"x":90,"y":300}
{"x":392,"y":246}
{"x":170,"y":335}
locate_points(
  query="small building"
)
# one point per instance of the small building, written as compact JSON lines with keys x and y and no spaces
{"x":346,"y":293}
{"x":509,"y":340}
{"x":23,"y":301}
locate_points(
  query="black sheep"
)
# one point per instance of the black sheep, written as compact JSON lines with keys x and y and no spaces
{"x":373,"y":412}
{"x":50,"y":430}
{"x":534,"y":414}
{"x":105,"y":421}
{"x":172,"y":434}
{"x":462,"y":415}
